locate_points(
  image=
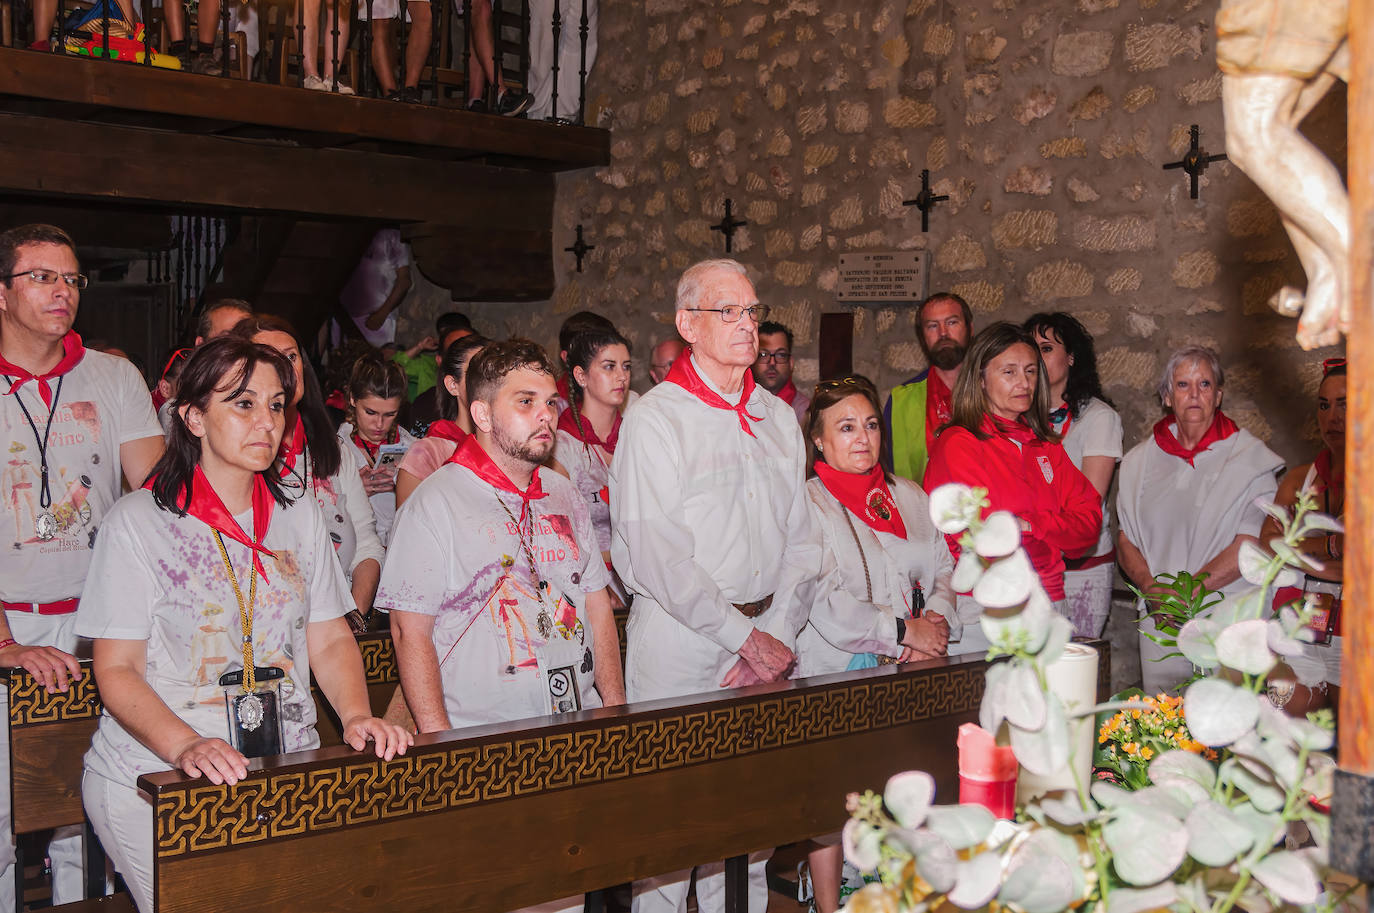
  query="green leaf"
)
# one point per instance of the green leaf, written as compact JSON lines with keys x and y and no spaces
{"x":1266,"y":827}
{"x":1044,"y":875}
{"x":908,"y":796}
{"x":1045,"y":750}
{"x":1264,"y":796}
{"x":1109,"y":795}
{"x":1219,"y":712}
{"x":1147,"y":844}
{"x":1138,"y":900}
{"x":1056,"y":639}
{"x":1215,"y":836}
{"x":1244,"y":646}
{"x":1023,"y":697}
{"x":977,"y":881}
{"x":993,"y":708}
{"x":1184,"y":770}
{"x":1067,"y":811}
{"x":1197,"y":641}
{"x":961,"y":826}
{"x":1289,"y":876}
{"x":966,"y":571}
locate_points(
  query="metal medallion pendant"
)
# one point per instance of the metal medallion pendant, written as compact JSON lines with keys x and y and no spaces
{"x":544,"y":624}
{"x":45,"y":525}
{"x":249,"y":711}
{"x":85,"y":514}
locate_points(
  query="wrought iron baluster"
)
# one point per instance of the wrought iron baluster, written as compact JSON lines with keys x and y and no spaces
{"x":334,"y":36}
{"x":437,"y":12}
{"x":365,"y":79}
{"x":469,"y":52}
{"x":61,"y":28}
{"x":105,"y":31}
{"x":224,"y":44}
{"x":557,"y":38}
{"x":402,"y":36}
{"x":583,"y":29}
{"x":196,"y":227}
{"x":492,"y":94}
{"x":300,"y":43}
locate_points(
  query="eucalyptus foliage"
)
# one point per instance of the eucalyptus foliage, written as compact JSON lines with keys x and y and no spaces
{"x":1199,"y":837}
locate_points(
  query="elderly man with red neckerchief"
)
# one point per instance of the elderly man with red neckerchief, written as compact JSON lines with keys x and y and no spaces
{"x":711,"y":529}
{"x":72,"y":420}
{"x":1187,"y":496}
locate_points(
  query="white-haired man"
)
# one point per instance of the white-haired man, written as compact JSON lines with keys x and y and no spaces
{"x":710,"y":528}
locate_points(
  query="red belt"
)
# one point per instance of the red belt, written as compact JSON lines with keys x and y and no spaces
{"x":1083,"y":564}
{"x":61,"y":607}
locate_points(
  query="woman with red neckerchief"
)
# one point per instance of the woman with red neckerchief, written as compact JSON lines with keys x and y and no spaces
{"x":589,"y":429}
{"x":1318,"y":669}
{"x":1000,"y":439}
{"x":312,"y":460}
{"x":376,"y":391}
{"x":884,"y":584}
{"x":1186,"y":500}
{"x":444,"y":436}
{"x":212,"y":599}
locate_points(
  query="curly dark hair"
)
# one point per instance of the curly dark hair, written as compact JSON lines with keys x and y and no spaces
{"x":489,"y":367}
{"x":1084,"y":383}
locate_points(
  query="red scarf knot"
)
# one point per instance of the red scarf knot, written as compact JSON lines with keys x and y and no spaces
{"x":684,"y":374}
{"x":866,"y":495}
{"x":471,"y":456}
{"x":788,"y":393}
{"x":72,"y":353}
{"x":1221,"y":428}
{"x":206,"y":506}
{"x":581,"y":428}
{"x":368,"y":447}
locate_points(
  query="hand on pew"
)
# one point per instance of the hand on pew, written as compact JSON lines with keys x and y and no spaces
{"x":763,"y":658}
{"x":214,"y":759}
{"x":54,"y":668}
{"x":390,"y":740}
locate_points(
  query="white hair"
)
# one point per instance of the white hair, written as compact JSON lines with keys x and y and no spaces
{"x":693,"y":281}
{"x":1204,"y":354}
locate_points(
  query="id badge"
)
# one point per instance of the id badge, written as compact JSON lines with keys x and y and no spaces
{"x":254,"y":716}
{"x":564,"y":694}
{"x":1325,"y":608}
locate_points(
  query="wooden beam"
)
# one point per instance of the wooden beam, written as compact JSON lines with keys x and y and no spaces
{"x":51,"y":157}
{"x":78,"y":80}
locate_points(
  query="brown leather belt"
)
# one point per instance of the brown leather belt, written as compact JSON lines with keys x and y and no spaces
{"x":753,"y":609}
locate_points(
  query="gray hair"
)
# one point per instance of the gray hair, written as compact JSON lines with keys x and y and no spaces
{"x":1205,"y":354}
{"x":693,"y":281}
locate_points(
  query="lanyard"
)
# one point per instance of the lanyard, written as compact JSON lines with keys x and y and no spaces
{"x":44,"y":495}
{"x":245,"y":613}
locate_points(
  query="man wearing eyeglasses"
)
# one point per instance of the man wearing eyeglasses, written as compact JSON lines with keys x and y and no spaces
{"x":773,"y":370}
{"x":662,"y":357}
{"x":710,"y":530}
{"x":70,"y":420}
{"x":920,"y":407}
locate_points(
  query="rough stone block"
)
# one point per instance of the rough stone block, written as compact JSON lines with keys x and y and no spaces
{"x":1032,"y":228}
{"x":693,"y":232}
{"x":1116,"y":234}
{"x":682,"y":199}
{"x":1151,"y":47}
{"x":982,"y":296}
{"x":818,"y":155}
{"x":960,"y":254}
{"x":1251,"y":218}
{"x":1138,"y":98}
{"x":1256,"y":292}
{"x":656,"y":204}
{"x":1090,"y":106}
{"x":761,"y":212}
{"x":754,"y":24}
{"x":851,"y":117}
{"x":1097,"y":6}
{"x":712,"y":57}
{"x":1121,"y":281}
{"x":1081,"y":191}
{"x":888,"y":152}
{"x":1200,"y":91}
{"x":983,"y":46}
{"x":1196,"y":269}
{"x":908,"y":112}
{"x":903,"y":357}
{"x":779,"y":143}
{"x":1057,"y":280}
{"x":985,"y":84}
{"x":656,"y":107}
{"x":1038,"y":102}
{"x":1204,"y":306}
{"x":848,"y":213}
{"x":777,"y":96}
{"x":1120,"y":366}
{"x":937,"y":153}
{"x":810,"y":237}
{"x":866,"y":241}
{"x":1026,"y":179}
{"x":1082,"y":53}
{"x":811,"y":118}
{"x":939,"y":39}
{"x":1142,"y":325}
{"x":1065,"y":147}
{"x":814,"y":193}
{"x":896,"y":51}
{"x":688,"y":87}
{"x":890,"y":199}
{"x":792,"y":273}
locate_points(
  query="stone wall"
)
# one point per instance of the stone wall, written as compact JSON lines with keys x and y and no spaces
{"x":1046,"y":123}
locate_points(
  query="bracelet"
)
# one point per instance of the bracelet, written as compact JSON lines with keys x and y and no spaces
{"x":7,"y":642}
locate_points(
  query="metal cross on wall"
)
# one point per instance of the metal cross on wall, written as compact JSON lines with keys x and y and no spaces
{"x":729,"y":225}
{"x":579,"y":248}
{"x":925,"y":200}
{"x":1194,"y":161}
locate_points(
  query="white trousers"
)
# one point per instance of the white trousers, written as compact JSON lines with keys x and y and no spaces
{"x":123,"y":820}
{"x":569,"y":52}
{"x":663,"y":659}
{"x":1089,"y":597}
{"x":65,"y":850}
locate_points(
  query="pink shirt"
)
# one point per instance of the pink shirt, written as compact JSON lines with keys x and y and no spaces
{"x":427,"y":455}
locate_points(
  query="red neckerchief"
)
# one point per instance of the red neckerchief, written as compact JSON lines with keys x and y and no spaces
{"x":1331,"y":475}
{"x":1067,"y":418}
{"x":582,"y":429}
{"x":562,"y":386}
{"x":72,"y":353}
{"x":446,"y":430}
{"x":1019,"y":432}
{"x":370,"y":448}
{"x":1220,"y":429}
{"x":788,"y":393}
{"x":292,"y":445}
{"x":205,"y":505}
{"x":866,"y":496}
{"x":471,"y":455}
{"x":684,"y":374}
{"x":939,"y":406}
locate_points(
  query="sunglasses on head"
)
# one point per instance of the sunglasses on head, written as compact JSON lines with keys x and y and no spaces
{"x":850,"y":381}
{"x":178,"y":355}
{"x":1331,"y":364}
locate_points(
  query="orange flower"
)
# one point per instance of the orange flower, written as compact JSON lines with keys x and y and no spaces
{"x":1146,"y":753}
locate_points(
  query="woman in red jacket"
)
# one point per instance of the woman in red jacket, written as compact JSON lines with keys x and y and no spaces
{"x":1000,"y":439}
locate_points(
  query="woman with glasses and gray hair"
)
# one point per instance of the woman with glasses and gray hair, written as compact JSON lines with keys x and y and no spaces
{"x":1187,"y":497}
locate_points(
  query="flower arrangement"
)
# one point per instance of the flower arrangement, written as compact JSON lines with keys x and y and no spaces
{"x":1130,"y":739}
{"x":1197,"y":838}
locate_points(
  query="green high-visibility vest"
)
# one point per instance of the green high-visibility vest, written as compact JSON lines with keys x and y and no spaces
{"x":909,"y":454}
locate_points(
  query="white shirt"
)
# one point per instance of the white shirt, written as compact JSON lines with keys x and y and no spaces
{"x":1181,"y":516}
{"x":1096,"y":431}
{"x":372,"y":281}
{"x":704,"y":515}
{"x":589,"y":467}
{"x":456,"y":555}
{"x":383,"y":502}
{"x":844,"y":620}
{"x":159,"y":578}
{"x":103,"y":403}
{"x":347,"y":512}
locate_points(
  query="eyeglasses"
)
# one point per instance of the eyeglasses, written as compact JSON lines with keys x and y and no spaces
{"x":731,"y":313}
{"x":1331,"y":364}
{"x":50,"y":277}
{"x":778,"y":357}
{"x":853,"y":380}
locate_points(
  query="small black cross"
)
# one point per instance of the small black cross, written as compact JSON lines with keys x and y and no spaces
{"x":579,"y":248}
{"x":925,"y":200}
{"x":1195,"y":161}
{"x":729,"y":225}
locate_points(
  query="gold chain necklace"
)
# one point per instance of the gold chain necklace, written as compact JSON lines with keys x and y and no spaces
{"x":245,"y":613}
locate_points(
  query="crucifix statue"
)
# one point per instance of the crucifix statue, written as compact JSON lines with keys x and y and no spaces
{"x":925,"y":200}
{"x":579,"y":248}
{"x":1194,"y":161}
{"x":729,"y":225}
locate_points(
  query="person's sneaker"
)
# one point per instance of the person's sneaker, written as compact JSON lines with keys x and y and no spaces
{"x":477,"y":106}
{"x":343,"y":89}
{"x":205,"y":64}
{"x":410,"y":95}
{"x":511,"y":104}
{"x":315,"y":84}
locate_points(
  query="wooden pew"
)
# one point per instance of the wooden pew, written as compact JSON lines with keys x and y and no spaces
{"x":500,"y":817}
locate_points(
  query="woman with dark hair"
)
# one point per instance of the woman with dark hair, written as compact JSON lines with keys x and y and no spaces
{"x":376,"y":392}
{"x":311,"y":460}
{"x":884,"y":585}
{"x":1318,"y":669}
{"x":185,"y":685}
{"x":599,"y":366}
{"x":1090,"y":431}
{"x":1000,"y":439}
{"x":454,"y":424}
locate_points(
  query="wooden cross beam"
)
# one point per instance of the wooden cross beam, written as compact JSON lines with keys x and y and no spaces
{"x":729,"y":225}
{"x":580,"y":247}
{"x":925,"y":200}
{"x":1195,"y":161}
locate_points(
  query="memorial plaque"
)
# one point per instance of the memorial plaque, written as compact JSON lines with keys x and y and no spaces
{"x":897,"y":275}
